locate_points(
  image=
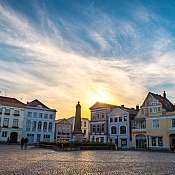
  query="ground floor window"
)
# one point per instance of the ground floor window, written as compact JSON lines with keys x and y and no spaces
{"x":153,"y":140}
{"x":46,"y":138}
{"x":4,"y":133}
{"x":157,"y":141}
{"x":102,"y":139}
{"x":30,"y":137}
{"x":160,"y":141}
{"x":123,"y":142}
{"x":38,"y":137}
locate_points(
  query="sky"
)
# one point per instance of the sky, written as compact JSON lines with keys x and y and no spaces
{"x":64,"y":51}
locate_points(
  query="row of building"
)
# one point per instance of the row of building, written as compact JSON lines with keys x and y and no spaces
{"x":33,"y":120}
{"x":150,"y":126}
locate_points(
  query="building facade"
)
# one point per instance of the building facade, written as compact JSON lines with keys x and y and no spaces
{"x":156,"y":124}
{"x":63,"y":130}
{"x":11,"y":119}
{"x":39,"y":125}
{"x":99,"y":122}
{"x":119,"y":128}
{"x":85,"y":127}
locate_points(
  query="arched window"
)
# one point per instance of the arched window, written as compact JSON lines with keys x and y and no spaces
{"x":113,"y":130}
{"x":39,"y":125}
{"x":123,"y":130}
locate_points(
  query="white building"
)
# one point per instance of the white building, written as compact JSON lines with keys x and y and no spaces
{"x":39,"y":123}
{"x":85,"y":127}
{"x":11,"y":119}
{"x":63,"y":130}
{"x":119,"y":128}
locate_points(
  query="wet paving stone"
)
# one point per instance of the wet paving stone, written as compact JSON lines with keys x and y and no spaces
{"x":14,"y":161}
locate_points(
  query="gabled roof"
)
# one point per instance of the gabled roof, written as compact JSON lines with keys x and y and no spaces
{"x":60,"y":121}
{"x":12,"y":102}
{"x":166,"y":104}
{"x":102,"y":105}
{"x":37,"y":103}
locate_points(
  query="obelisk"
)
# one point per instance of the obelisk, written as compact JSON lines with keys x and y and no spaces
{"x":77,"y":133}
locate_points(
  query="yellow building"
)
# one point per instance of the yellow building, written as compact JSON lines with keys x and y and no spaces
{"x":154,"y":125}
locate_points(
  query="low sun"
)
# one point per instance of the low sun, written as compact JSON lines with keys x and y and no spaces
{"x":99,"y":94}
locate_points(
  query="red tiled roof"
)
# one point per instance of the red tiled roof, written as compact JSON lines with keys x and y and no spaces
{"x":166,"y":104}
{"x":13,"y":102}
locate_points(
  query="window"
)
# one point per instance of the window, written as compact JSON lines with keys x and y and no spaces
{"x":39,"y":125}
{"x":158,"y":109}
{"x":98,"y":128}
{"x":122,"y":129}
{"x":120,"y":119}
{"x":4,"y":133}
{"x":16,"y":113}
{"x":15,"y":123}
{"x":84,"y":132}
{"x":123,"y":142}
{"x":155,"y":123}
{"x":84,"y":123}
{"x":29,"y":114}
{"x":1,"y":109}
{"x":35,"y":115}
{"x":93,"y":128}
{"x":38,"y":137}
{"x":6,"y":122}
{"x":34,"y":126}
{"x":40,"y":115}
{"x":45,"y":126}
{"x":153,"y":141}
{"x":46,"y":138}
{"x":103,"y":128}
{"x":7,"y":111}
{"x":160,"y":141}
{"x":50,"y":126}
{"x":51,"y":116}
{"x":113,"y":130}
{"x":102,"y":116}
{"x":150,"y":110}
{"x":125,"y":118}
{"x":116,"y":119}
{"x":28,"y":125}
{"x":111,"y":119}
{"x":102,"y":139}
{"x":0,"y":121}
{"x":46,"y":116}
{"x":93,"y":138}
{"x":173,"y":123}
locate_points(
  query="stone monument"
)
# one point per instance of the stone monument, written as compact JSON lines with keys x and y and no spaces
{"x":77,"y":133}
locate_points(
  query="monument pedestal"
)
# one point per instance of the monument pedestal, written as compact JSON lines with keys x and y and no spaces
{"x":78,"y":138}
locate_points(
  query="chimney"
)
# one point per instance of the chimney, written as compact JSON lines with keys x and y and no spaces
{"x":122,"y":106}
{"x":164,"y":94}
{"x":137,"y":107}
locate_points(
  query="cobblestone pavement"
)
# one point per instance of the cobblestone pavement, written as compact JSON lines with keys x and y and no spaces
{"x":43,"y":161}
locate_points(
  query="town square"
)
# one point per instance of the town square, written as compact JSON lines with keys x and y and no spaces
{"x":87,"y":87}
{"x":45,"y":161}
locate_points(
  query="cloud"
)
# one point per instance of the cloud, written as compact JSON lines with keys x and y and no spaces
{"x":60,"y":72}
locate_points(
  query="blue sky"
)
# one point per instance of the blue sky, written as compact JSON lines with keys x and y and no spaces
{"x":62,"y":51}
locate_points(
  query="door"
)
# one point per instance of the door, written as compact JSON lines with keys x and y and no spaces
{"x":141,"y":142}
{"x":13,"y":137}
